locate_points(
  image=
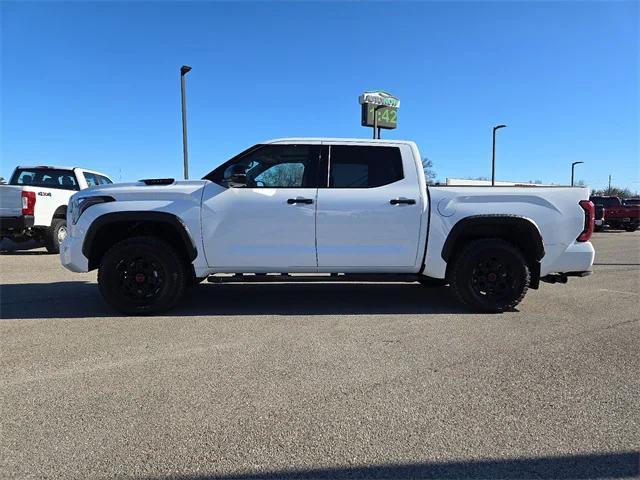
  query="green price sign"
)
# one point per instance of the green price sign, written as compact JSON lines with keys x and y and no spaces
{"x":387,"y":116}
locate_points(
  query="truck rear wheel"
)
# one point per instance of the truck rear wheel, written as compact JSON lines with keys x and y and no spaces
{"x":490,"y":275}
{"x":55,"y":235}
{"x":142,"y":275}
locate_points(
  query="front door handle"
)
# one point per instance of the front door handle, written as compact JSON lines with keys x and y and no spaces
{"x":293,"y":201}
{"x":402,"y":201}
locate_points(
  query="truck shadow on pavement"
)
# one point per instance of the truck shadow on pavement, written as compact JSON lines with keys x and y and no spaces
{"x":593,"y":466}
{"x":82,"y":300}
{"x":24,"y":252}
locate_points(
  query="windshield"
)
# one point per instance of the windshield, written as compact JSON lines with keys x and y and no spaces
{"x":45,"y":177}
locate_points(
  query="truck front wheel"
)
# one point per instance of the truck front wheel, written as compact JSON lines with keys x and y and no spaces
{"x":490,"y":275}
{"x":142,"y":275}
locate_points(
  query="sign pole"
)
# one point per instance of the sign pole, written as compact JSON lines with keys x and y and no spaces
{"x":375,"y":122}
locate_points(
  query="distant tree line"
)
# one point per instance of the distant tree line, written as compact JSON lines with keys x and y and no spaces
{"x":615,"y":192}
{"x":430,"y":175}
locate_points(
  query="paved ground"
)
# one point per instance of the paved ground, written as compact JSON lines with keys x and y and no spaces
{"x":321,"y":380}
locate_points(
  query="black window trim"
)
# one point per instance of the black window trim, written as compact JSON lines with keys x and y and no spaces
{"x":211,"y":176}
{"x":328,"y":165}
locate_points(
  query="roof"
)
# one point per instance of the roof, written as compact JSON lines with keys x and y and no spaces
{"x":57,"y":167}
{"x":61,"y":167}
{"x":333,"y":139}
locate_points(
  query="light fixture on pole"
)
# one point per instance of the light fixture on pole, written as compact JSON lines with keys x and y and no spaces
{"x":493,"y":157}
{"x":573,"y":166}
{"x":183,"y":71}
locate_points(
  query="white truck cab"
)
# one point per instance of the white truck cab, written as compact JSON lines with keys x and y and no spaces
{"x":327,"y":205}
{"x":34,"y":203}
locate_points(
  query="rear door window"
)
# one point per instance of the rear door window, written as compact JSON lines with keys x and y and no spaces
{"x":354,"y":166}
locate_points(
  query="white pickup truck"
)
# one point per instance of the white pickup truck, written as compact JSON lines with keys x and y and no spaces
{"x":353,"y":207}
{"x":34,"y":203}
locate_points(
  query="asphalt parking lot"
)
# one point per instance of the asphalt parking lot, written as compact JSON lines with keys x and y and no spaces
{"x":321,"y":380}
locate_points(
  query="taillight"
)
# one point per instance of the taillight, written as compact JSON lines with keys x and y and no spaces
{"x":28,"y":203}
{"x":589,"y":220}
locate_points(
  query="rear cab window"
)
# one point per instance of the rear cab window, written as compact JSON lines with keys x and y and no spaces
{"x":45,"y":177}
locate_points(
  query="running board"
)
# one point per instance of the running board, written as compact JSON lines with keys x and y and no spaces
{"x":304,"y":278}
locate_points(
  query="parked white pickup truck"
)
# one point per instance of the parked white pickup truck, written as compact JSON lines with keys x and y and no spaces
{"x":341,"y":206}
{"x":34,"y":204}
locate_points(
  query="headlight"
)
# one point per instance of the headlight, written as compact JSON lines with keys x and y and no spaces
{"x":79,"y":205}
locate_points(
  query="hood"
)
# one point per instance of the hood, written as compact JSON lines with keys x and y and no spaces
{"x":140,"y":189}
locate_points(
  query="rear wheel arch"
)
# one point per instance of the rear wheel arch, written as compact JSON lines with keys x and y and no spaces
{"x":60,"y":212}
{"x":111,"y":228}
{"x":520,"y":231}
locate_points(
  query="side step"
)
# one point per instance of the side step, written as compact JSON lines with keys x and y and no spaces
{"x":306,"y":278}
{"x":564,"y":277}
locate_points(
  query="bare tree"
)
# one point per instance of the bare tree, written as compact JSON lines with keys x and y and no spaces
{"x":282,"y":175}
{"x":429,"y":173}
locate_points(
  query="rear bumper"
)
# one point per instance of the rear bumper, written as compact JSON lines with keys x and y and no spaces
{"x":577,"y":257}
{"x":623,"y":221}
{"x":15,"y":225}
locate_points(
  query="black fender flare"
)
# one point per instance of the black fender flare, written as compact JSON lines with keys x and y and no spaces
{"x":485,"y":223}
{"x":60,"y":212}
{"x":140,"y":216}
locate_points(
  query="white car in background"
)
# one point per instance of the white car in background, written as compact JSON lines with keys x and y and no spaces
{"x":34,"y":203}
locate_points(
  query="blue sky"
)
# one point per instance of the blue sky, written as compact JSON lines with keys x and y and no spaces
{"x":96,"y":84}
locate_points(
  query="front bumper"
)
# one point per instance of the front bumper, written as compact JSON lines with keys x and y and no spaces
{"x":71,"y":255}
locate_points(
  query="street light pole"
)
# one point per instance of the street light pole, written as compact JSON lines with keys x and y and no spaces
{"x":493,"y":158}
{"x":573,"y":166}
{"x":183,"y":71}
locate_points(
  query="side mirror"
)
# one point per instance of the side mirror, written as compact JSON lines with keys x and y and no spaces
{"x":236,"y":176}
{"x":238,"y":180}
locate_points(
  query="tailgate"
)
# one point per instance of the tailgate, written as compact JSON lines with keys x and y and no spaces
{"x":10,"y":201}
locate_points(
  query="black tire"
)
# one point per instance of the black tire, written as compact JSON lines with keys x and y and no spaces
{"x":195,"y":281}
{"x":490,"y":275}
{"x":632,"y":228}
{"x":141,"y":276}
{"x":432,"y":282}
{"x":55,"y":234}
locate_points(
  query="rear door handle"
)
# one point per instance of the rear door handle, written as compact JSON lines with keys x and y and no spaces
{"x":293,"y":201}
{"x":402,"y":201}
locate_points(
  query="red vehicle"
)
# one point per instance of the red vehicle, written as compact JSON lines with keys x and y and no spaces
{"x":618,"y":215}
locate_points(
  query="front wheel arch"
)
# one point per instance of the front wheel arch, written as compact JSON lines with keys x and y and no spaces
{"x":111,"y":228}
